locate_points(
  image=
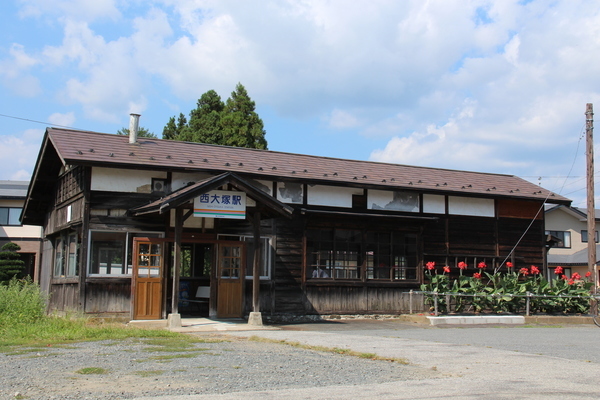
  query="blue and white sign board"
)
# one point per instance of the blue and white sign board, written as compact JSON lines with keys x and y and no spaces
{"x":221,"y":204}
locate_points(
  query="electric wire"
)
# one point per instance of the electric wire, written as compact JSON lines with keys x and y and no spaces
{"x":37,"y":122}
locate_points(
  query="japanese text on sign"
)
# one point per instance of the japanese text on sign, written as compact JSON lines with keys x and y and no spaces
{"x":221,"y":204}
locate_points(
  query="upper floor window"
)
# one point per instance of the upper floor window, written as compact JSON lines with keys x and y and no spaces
{"x":10,"y":215}
{"x":584,"y":236}
{"x":564,"y":238}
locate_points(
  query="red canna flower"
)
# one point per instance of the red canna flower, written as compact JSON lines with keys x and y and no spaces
{"x":462,"y":265}
{"x":524,"y":271}
{"x":446,"y":269}
{"x":477,"y":275}
{"x":534,"y":270}
{"x":564,"y":277}
{"x":558,"y":270}
{"x":430,"y":265}
{"x":588,"y":274}
{"x":481,"y":265}
{"x":509,"y":264}
{"x":571,"y":281}
{"x":575,"y":276}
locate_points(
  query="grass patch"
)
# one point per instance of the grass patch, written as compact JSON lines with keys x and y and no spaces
{"x":92,"y":371}
{"x":24,"y":327}
{"x":173,"y":356}
{"x":336,"y":350}
{"x":145,"y":374}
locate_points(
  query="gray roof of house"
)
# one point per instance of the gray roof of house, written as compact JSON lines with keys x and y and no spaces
{"x":578,"y":258}
{"x":13,"y":189}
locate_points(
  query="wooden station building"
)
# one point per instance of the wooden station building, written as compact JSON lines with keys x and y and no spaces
{"x":143,"y":228}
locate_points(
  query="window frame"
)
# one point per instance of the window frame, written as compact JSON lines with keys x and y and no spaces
{"x":10,"y":216}
{"x":393,"y":264}
{"x":66,"y":257}
{"x":565,"y":237}
{"x":266,"y":253}
{"x":585,"y":232}
{"x":127,"y":254}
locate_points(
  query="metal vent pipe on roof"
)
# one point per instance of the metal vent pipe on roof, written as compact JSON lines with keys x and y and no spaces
{"x":134,"y":121}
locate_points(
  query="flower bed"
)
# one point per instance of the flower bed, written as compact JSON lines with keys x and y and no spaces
{"x":522,"y":291}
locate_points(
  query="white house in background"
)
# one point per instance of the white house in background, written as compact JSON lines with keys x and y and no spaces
{"x":569,"y":224}
{"x":29,"y":237}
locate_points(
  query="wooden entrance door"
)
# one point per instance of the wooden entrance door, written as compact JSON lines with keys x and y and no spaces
{"x":230,"y":275}
{"x":148,"y":278}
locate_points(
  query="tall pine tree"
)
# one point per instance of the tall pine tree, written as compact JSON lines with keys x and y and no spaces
{"x":241,"y":125}
{"x":205,"y":120}
{"x":233,"y":123}
{"x":173,"y":129}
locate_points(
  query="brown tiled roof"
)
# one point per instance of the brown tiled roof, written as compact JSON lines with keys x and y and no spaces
{"x":91,"y":148}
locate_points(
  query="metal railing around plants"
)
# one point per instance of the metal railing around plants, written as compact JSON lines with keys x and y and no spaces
{"x":529,"y":297}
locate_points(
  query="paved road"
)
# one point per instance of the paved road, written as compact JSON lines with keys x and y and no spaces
{"x":470,"y":362}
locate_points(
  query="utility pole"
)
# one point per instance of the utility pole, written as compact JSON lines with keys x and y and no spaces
{"x":591,"y":212}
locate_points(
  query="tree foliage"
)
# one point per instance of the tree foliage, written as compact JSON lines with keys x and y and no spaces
{"x":233,"y":123}
{"x":142,"y":132}
{"x":11,"y":264}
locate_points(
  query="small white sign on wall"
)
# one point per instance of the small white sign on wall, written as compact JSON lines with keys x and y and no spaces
{"x":221,"y":204}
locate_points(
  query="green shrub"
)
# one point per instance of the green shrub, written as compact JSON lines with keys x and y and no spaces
{"x":11,"y":264}
{"x":21,"y":302}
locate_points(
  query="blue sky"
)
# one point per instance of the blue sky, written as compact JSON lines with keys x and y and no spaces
{"x":491,"y":86}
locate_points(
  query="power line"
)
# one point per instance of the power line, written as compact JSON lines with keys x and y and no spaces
{"x":37,"y":122}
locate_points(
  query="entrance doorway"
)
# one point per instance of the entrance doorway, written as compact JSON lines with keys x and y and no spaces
{"x":230,"y":276}
{"x":211,"y":279}
{"x":148,"y":278}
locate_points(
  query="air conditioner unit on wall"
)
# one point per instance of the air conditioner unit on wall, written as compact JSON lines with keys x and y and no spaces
{"x":159,"y":185}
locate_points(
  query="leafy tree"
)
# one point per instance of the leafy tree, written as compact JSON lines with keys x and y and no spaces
{"x":11,"y":264}
{"x":173,"y":129}
{"x":205,"y":120}
{"x":142,"y":132}
{"x":233,"y":123}
{"x":242,"y":127}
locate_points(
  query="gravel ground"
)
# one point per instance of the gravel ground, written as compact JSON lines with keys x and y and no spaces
{"x":138,"y":369}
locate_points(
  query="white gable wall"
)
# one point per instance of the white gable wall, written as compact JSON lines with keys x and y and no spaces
{"x":124,"y":180}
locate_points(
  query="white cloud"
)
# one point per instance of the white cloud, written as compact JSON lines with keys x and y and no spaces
{"x":340,"y":119}
{"x":67,"y":119}
{"x":18,"y":153}
{"x":14,"y":72}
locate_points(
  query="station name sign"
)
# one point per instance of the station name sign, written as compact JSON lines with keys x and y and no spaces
{"x":221,"y":204}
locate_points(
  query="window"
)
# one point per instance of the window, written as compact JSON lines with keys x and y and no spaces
{"x":111,"y":252}
{"x":564,"y":238}
{"x":66,"y":249}
{"x":335,"y":253}
{"x":584,"y":236}
{"x":345,"y":254}
{"x":265,"y":254}
{"x":10,"y":216}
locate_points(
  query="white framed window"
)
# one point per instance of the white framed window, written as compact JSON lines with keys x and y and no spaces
{"x":266,"y":254}
{"x":110,"y":252}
